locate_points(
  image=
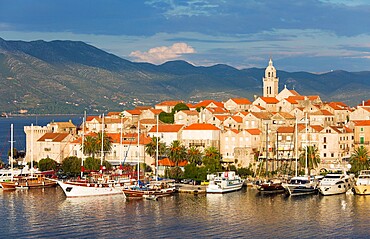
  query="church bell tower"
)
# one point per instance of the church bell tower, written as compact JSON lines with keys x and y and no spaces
{"x":270,"y":81}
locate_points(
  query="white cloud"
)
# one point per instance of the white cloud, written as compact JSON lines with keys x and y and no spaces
{"x":162,"y":54}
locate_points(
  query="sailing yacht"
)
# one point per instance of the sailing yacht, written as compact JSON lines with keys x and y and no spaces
{"x":97,"y":185}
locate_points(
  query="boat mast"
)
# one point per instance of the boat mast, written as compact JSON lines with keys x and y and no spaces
{"x":102,"y":145}
{"x":267,"y":148}
{"x":156,"y":153}
{"x":11,"y":150}
{"x":32,"y":150}
{"x":138,"y":151}
{"x":296,"y":146}
{"x":120,"y":145}
{"x":83,"y":144}
{"x":306,"y":169}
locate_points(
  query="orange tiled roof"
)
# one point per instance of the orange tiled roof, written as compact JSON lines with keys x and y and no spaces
{"x":286,"y":129}
{"x":206,"y":103}
{"x":221,"y":117}
{"x":168,"y":163}
{"x":134,"y":112}
{"x":143,"y":107}
{"x":238,"y":119}
{"x":166,"y":128}
{"x":317,"y":128}
{"x":294,"y":92}
{"x":54,"y":137}
{"x":156,"y":111}
{"x":270,"y":100}
{"x":199,"y":126}
{"x":217,"y":110}
{"x":261,"y":115}
{"x":113,"y":113}
{"x":241,"y":101}
{"x":254,"y":131}
{"x":361,"y":122}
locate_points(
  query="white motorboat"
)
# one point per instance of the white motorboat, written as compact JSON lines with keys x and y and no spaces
{"x":362,"y":185}
{"x":224,"y":182}
{"x":301,"y":185}
{"x":335,"y":182}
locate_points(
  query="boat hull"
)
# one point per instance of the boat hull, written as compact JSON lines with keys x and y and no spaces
{"x":362,"y":189}
{"x":72,"y":190}
{"x":327,"y":190}
{"x":12,"y":185}
{"x":228,"y":189}
{"x":295,"y":190}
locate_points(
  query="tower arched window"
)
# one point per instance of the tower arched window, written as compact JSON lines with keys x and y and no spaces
{"x":269,"y":74}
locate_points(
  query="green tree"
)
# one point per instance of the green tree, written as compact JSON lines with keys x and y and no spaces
{"x":359,"y":159}
{"x":92,"y":164}
{"x":15,"y":153}
{"x":151,"y":147}
{"x":178,"y":107}
{"x":166,"y":117}
{"x":194,"y":155}
{"x":46,"y":164}
{"x":72,"y":165}
{"x":211,"y":160}
{"x":90,"y":146}
{"x":107,"y":143}
{"x":313,"y":158}
{"x":177,"y":154}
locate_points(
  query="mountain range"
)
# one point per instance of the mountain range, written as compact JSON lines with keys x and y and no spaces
{"x":72,"y":76}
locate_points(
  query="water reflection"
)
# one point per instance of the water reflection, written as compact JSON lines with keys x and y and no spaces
{"x":47,"y":213}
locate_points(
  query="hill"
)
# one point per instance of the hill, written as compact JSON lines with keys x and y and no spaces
{"x":71,"y":76}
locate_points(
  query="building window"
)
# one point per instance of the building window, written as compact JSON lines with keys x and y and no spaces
{"x":324,"y":146}
{"x":324,"y":155}
{"x":332,"y":155}
{"x":362,"y":129}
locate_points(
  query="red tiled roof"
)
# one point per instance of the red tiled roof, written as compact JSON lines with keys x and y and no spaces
{"x":168,"y":163}
{"x":261,"y":115}
{"x":206,"y":103}
{"x":134,"y":112}
{"x":143,"y":107}
{"x":317,"y":128}
{"x":113,"y":113}
{"x":241,"y":101}
{"x":270,"y":100}
{"x":166,"y":128}
{"x":254,"y":131}
{"x":235,"y":131}
{"x":221,"y":117}
{"x":294,"y":92}
{"x":217,"y":110}
{"x":286,"y":129}
{"x":361,"y":122}
{"x":54,"y":137}
{"x":198,"y":126}
{"x":238,"y":119}
{"x":156,"y":111}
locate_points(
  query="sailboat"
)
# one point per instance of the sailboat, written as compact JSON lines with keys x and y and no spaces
{"x":301,"y":185}
{"x":98,"y":185}
{"x":35,"y":180}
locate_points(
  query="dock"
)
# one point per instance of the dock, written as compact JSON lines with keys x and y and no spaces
{"x":191,"y":189}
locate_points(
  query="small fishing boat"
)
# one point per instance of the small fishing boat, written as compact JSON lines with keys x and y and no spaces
{"x":362,"y":184}
{"x":28,"y":182}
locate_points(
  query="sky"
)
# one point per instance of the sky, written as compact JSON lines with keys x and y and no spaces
{"x":299,"y":35}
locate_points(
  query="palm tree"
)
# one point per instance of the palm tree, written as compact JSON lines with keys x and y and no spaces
{"x":313,"y":158}
{"x":177,"y":152}
{"x":359,"y":160}
{"x":90,"y":146}
{"x":211,"y":160}
{"x":107,"y":143}
{"x":194,"y":155}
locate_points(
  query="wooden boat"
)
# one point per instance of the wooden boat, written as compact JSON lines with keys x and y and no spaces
{"x":158,"y":189}
{"x":362,"y":185}
{"x":271,"y":187}
{"x":28,"y":182}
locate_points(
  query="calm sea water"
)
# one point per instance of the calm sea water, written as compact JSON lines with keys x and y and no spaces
{"x":20,"y":136}
{"x":46,"y":213}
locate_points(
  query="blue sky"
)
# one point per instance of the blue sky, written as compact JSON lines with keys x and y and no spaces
{"x":300,"y":35}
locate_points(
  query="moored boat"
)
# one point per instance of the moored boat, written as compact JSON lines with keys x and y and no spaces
{"x":224,"y":182}
{"x":362,"y":184}
{"x":271,"y":187}
{"x":157,"y":189}
{"x":28,"y":182}
{"x":302,"y":185}
{"x":335,"y":182}
{"x":86,"y":188}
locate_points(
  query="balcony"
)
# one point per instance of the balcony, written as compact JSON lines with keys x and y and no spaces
{"x":362,"y":143}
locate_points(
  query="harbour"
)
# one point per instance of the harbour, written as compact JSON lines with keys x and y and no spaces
{"x":47,"y":213}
